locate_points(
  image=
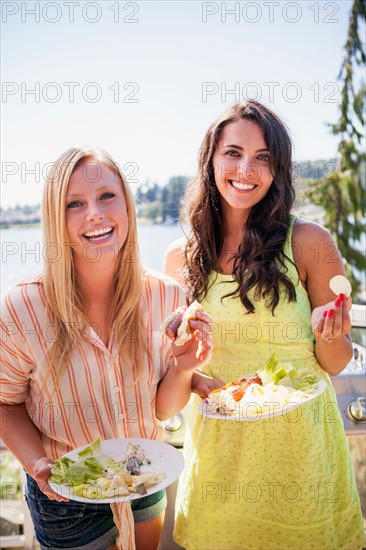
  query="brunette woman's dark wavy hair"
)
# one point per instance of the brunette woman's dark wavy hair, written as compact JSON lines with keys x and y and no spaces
{"x":259,"y":263}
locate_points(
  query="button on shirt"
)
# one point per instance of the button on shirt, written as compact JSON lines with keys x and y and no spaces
{"x":97,"y":395}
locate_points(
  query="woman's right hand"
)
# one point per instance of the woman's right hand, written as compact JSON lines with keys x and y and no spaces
{"x":197,"y":350}
{"x":40,"y":473}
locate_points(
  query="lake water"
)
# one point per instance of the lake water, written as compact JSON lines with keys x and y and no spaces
{"x":22,"y":251}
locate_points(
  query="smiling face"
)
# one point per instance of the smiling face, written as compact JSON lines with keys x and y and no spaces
{"x":96,"y":213}
{"x":242,"y":167}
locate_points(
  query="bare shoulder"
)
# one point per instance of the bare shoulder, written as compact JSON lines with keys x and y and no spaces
{"x":308,"y":232}
{"x":174,"y":259}
{"x":177,"y":246}
{"x":317,"y":259}
{"x":313,"y":243}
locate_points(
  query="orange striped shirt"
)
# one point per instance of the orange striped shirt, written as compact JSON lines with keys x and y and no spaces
{"x":96,"y":396}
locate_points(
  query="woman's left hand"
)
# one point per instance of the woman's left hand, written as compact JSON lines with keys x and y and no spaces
{"x":202,"y":385}
{"x":197,"y":351}
{"x":332,"y":320}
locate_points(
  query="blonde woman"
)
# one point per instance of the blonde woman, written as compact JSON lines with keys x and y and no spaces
{"x":83,"y":355}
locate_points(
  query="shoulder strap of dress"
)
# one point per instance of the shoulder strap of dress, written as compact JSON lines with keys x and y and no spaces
{"x":288,"y":244}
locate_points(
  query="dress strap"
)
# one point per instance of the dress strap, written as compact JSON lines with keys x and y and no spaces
{"x":288,"y":243}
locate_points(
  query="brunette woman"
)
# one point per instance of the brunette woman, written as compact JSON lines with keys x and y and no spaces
{"x":263,"y":275}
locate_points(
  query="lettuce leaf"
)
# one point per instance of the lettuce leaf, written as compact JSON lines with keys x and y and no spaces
{"x":285,"y":374}
{"x":303,"y":378}
{"x":94,"y":466}
{"x":273,"y":372}
{"x":62,"y":466}
{"x":91,"y":450}
{"x":87,"y":469}
{"x":112,"y":464}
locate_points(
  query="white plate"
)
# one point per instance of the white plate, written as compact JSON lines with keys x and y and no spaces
{"x":164,"y":459}
{"x":241,"y":416}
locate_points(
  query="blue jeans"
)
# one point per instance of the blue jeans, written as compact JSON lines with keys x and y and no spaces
{"x":78,"y":525}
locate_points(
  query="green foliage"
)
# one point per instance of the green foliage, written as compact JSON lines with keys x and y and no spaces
{"x":314,"y":169}
{"x":153,"y":211}
{"x":342,"y":193}
{"x":10,"y":486}
{"x":172,"y":194}
{"x":162,"y":204}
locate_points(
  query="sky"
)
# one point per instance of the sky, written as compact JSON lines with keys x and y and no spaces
{"x":144,"y":80}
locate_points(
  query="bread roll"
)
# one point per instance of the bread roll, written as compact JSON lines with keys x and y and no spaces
{"x":176,"y":325}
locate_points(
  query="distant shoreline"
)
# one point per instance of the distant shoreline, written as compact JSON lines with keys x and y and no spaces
{"x":140,"y":221}
{"x":19,"y":225}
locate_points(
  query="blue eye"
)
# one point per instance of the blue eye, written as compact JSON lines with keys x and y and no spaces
{"x":74,"y":204}
{"x":263,"y":157}
{"x":232,"y":153}
{"x":107,"y":196}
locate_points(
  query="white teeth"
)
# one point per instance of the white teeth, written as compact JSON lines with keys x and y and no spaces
{"x":98,"y":232}
{"x":242,"y":186}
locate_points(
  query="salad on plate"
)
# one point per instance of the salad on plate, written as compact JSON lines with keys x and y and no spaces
{"x":94,"y":474}
{"x":276,"y":388}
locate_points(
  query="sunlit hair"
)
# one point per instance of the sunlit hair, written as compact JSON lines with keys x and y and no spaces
{"x":63,"y":292}
{"x":259,"y":263}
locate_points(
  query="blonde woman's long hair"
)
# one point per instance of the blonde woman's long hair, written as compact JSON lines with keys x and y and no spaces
{"x":63,"y":294}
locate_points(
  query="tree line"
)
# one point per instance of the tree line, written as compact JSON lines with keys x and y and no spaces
{"x":161,"y":204}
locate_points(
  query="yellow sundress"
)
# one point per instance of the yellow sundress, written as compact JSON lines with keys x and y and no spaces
{"x":280,"y":483}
